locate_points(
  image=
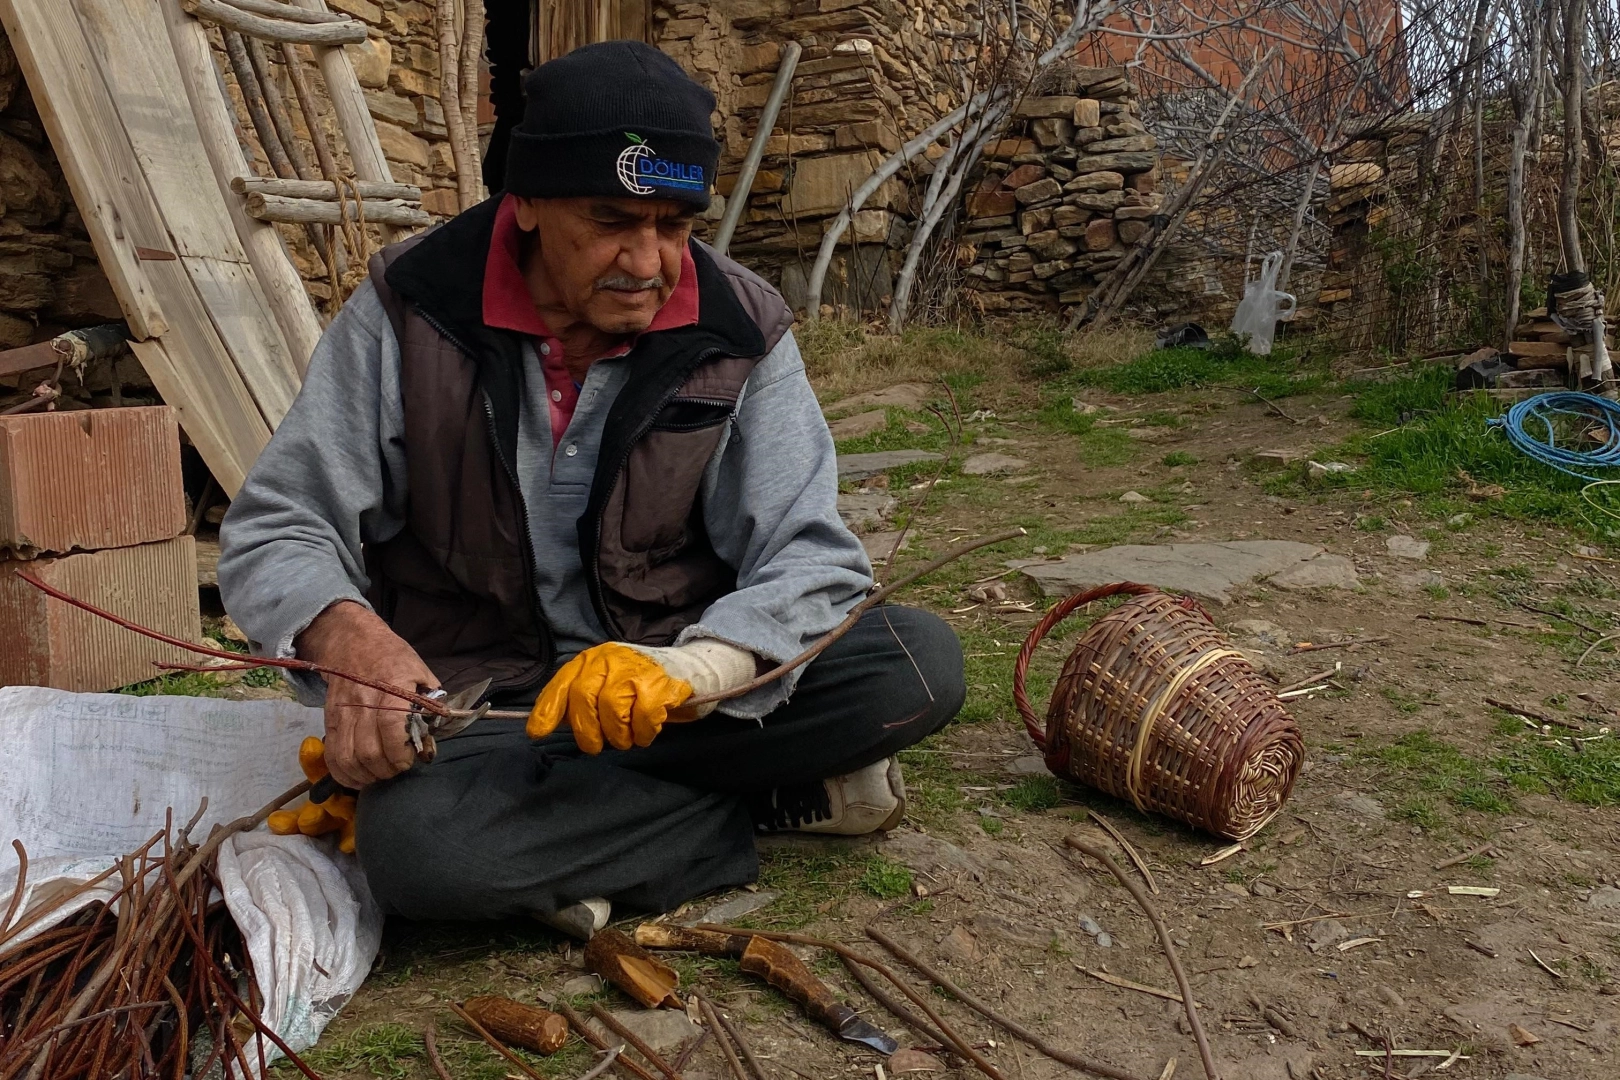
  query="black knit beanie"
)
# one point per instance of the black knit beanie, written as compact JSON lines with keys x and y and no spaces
{"x":617,"y":119}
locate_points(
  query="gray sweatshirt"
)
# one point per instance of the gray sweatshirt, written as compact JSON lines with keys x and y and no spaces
{"x":332,"y":479}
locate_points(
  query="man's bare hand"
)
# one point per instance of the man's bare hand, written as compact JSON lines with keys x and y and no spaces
{"x":364,"y":743}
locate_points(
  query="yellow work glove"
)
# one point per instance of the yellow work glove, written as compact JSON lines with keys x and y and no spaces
{"x":623,"y":695}
{"x":336,"y":814}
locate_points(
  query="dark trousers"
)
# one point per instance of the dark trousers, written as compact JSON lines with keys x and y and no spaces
{"x":500,"y":825}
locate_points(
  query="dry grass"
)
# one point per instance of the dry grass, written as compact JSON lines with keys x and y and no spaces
{"x":844,"y":358}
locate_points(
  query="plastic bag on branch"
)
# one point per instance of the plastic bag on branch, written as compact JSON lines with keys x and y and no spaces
{"x":1256,"y":318}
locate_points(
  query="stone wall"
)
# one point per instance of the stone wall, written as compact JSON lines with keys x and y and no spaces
{"x":50,"y":280}
{"x":1063,"y":196}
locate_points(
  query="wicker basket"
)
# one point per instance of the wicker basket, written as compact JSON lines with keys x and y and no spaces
{"x":1155,"y":706}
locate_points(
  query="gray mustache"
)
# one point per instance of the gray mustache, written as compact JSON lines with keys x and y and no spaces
{"x":625,"y":283}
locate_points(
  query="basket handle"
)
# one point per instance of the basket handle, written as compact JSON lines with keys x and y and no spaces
{"x":1060,"y":611}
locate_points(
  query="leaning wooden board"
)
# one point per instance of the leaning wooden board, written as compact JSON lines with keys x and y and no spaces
{"x":108,"y":87}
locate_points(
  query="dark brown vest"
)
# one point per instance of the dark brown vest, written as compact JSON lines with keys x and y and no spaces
{"x":458,"y":581}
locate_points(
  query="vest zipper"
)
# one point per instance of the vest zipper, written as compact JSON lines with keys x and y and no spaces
{"x":609,"y":623}
{"x":548,"y":647}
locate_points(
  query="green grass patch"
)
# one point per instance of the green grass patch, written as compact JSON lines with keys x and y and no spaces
{"x":1590,"y":777}
{"x":178,"y":684}
{"x":885,"y":880}
{"x":1424,"y":443}
{"x":1439,"y":771}
{"x":1223,"y":364}
{"x":1033,"y":793}
{"x":1178,"y":457}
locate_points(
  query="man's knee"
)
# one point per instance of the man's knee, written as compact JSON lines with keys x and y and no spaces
{"x":923,"y":676}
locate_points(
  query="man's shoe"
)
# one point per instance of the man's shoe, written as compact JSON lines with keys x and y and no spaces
{"x":581,"y":920}
{"x":868,"y":800}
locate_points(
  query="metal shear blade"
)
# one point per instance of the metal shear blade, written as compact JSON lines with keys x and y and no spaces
{"x":466,"y":702}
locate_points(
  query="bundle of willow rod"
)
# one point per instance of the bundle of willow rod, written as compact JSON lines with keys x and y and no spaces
{"x":155,"y":982}
{"x":1154,"y":705}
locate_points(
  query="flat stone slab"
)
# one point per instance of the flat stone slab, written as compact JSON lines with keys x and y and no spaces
{"x":742,"y":904}
{"x":853,"y":427}
{"x":860,"y":466}
{"x":990,"y":464}
{"x":1208,"y":571}
{"x":661,"y":1029}
{"x":864,"y":511}
{"x":899,"y":396}
{"x":1406,"y":547}
{"x":879,"y":545}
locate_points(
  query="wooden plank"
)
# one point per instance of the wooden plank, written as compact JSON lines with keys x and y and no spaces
{"x":343,"y":32}
{"x":141,"y":72}
{"x":175,"y":337}
{"x":284,"y":290}
{"x":325,"y":190}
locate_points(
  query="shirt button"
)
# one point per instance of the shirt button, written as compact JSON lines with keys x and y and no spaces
{"x":545,"y":348}
{"x":573,"y":449}
{"x":556,"y":395}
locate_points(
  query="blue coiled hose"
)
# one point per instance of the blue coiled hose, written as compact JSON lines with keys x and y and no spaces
{"x":1526,"y":420}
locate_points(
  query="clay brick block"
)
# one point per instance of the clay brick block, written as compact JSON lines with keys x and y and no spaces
{"x":49,"y":643}
{"x":1087,"y":113}
{"x":989,"y":204}
{"x":91,"y":479}
{"x":1039,"y":108}
{"x":1538,"y":350}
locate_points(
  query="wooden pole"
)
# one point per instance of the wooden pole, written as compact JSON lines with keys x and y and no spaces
{"x":353,"y":118}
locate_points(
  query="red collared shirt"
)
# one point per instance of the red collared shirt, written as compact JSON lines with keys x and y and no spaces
{"x":508,"y":306}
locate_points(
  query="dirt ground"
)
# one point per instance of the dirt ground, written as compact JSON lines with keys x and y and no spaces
{"x":1330,"y":932}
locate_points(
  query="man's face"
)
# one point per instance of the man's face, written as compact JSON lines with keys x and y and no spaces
{"x":612,"y":262}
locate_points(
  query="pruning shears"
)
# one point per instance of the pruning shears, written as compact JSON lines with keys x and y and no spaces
{"x":424,"y":730}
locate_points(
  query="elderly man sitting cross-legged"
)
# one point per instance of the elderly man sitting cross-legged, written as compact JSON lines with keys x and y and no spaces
{"x":558,"y":444}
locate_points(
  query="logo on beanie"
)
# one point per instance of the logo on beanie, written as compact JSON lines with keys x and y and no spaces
{"x":643,"y":172}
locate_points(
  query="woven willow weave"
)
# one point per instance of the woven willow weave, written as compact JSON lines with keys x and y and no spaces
{"x":1155,"y":706}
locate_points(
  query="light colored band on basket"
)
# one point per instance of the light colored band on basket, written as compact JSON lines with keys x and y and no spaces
{"x":1150,"y":718}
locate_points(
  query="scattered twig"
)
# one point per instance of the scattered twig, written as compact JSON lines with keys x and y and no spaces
{"x":1223,"y":854}
{"x":430,"y":1042}
{"x":1291,"y":923}
{"x":1272,"y":405}
{"x":883,"y":998}
{"x":1127,"y":984}
{"x":584,"y":1031}
{"x":601,"y":1066}
{"x":962,"y":1047}
{"x":1534,"y":714}
{"x":720,"y":1037}
{"x":1465,"y":856}
{"x":1559,"y":616}
{"x":496,"y":1044}
{"x":1483,"y":950}
{"x":697,"y":1043}
{"x":1309,"y":680}
{"x":613,"y":1025}
{"x":17,"y":891}
{"x":740,"y":1043}
{"x":1590,"y":649}
{"x":1296,"y":650}
{"x":1169,"y":947}
{"x":1067,"y":1057}
{"x":1130,"y":852}
{"x":1548,"y":968}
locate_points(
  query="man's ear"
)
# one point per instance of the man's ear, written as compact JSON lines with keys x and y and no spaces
{"x":528,"y":214}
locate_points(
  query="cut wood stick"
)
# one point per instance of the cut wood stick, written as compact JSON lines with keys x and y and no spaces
{"x":318,"y":212}
{"x":1291,"y":923}
{"x":1534,"y":714}
{"x":720,"y":1037}
{"x":739,"y":1042}
{"x":347,"y":32}
{"x":324,"y":190}
{"x":496,"y":1044}
{"x":1130,"y":852}
{"x":883,"y":998}
{"x":430,"y":1043}
{"x":1296,"y":650}
{"x":1205,"y":1055}
{"x":1309,"y":680}
{"x":1127,"y":984}
{"x":612,"y":1024}
{"x":586,"y":1032}
{"x":1465,"y":856}
{"x":602,"y":1066}
{"x":1067,"y":1057}
{"x":277,"y":10}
